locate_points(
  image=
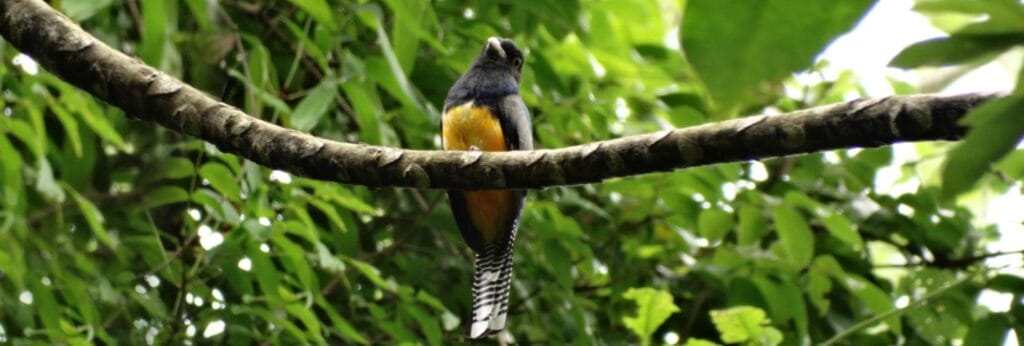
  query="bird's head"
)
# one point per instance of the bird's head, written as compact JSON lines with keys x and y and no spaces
{"x":502,"y":53}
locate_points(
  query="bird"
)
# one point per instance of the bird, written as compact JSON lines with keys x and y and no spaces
{"x":484,"y":111}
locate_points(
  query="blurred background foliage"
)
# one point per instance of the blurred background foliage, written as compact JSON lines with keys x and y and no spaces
{"x":115,"y":230}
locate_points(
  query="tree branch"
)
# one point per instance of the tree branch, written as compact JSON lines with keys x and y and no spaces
{"x":150,"y":95}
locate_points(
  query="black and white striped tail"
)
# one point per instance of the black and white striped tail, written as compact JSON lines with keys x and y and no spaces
{"x":491,"y":286}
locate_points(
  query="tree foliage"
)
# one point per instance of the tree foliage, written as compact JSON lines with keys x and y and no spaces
{"x":119,"y":231}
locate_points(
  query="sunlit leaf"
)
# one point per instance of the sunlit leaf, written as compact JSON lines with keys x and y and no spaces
{"x":222,"y":180}
{"x":995,"y":129}
{"x":653,"y":308}
{"x":313,"y":107}
{"x":745,"y":324}
{"x":736,"y":47}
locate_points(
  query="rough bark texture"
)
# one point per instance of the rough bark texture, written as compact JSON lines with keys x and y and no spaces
{"x":150,"y":95}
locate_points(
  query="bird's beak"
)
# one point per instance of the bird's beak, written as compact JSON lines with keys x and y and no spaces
{"x":493,"y":44}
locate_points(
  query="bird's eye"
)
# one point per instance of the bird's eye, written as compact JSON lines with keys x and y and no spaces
{"x":517,"y":62}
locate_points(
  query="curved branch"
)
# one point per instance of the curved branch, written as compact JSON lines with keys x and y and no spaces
{"x":150,"y":95}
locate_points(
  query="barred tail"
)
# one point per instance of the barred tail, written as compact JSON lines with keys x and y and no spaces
{"x":491,"y":286}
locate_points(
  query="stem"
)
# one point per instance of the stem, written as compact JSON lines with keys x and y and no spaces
{"x":894,"y":312}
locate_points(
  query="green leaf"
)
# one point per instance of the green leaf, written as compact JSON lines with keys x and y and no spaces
{"x":312,"y":108}
{"x":350,"y":201}
{"x":155,"y":21}
{"x":996,"y":127}
{"x":429,"y":325}
{"x":990,"y":330}
{"x":957,"y":49}
{"x":217,"y":205}
{"x":1007,"y":283}
{"x":797,"y":238}
{"x":11,"y":167}
{"x":163,"y":195}
{"x":714,"y":223}
{"x":1013,"y":164}
{"x":222,"y":180}
{"x":342,"y":325}
{"x":752,"y":225}
{"x":93,"y":217}
{"x":653,"y":308}
{"x":70,"y":126}
{"x":698,"y":342}
{"x":372,"y":273}
{"x":319,"y":10}
{"x":368,"y":109}
{"x":1000,"y":16}
{"x":873,"y":298}
{"x":308,"y":319}
{"x":80,"y":10}
{"x":739,"y":47}
{"x":175,"y":168}
{"x":745,"y":324}
{"x":46,"y":305}
{"x":840,"y":227}
{"x":46,"y":184}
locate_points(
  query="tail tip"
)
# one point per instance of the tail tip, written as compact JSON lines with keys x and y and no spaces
{"x":480,"y":329}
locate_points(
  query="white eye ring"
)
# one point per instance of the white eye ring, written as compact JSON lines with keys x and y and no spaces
{"x":517,"y":62}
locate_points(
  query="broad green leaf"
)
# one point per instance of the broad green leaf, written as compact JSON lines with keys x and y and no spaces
{"x":222,"y":180}
{"x":745,"y":324}
{"x":842,"y":228}
{"x":995,"y":127}
{"x":163,"y":195}
{"x":784,"y":299}
{"x":1013,"y":164}
{"x":319,"y":10}
{"x":653,"y":308}
{"x":1007,"y":283}
{"x":368,"y":109}
{"x":739,"y":47}
{"x":873,"y":298}
{"x":714,"y":223}
{"x":957,"y":49}
{"x":752,"y":225}
{"x":990,"y":330}
{"x":176,"y":168}
{"x":313,"y":107}
{"x":796,"y":236}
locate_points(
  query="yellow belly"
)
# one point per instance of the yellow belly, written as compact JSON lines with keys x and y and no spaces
{"x":467,"y":127}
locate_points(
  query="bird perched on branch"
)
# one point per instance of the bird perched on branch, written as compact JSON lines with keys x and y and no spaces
{"x":483,"y":111}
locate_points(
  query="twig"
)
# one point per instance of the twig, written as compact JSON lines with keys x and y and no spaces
{"x":894,"y":312}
